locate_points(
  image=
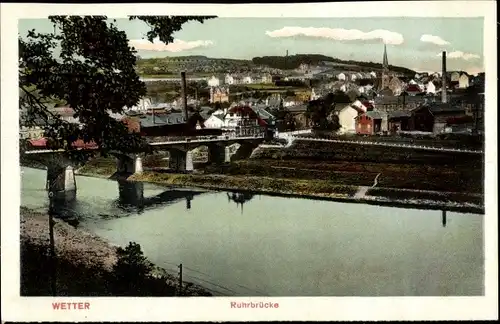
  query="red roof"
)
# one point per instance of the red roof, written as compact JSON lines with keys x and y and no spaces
{"x":413,"y":88}
{"x":42,"y":142}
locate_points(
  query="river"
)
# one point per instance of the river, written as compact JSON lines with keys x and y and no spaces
{"x":244,"y":245}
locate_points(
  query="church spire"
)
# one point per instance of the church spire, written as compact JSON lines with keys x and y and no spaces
{"x":385,"y":63}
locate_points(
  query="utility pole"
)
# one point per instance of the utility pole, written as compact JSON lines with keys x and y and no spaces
{"x":180,"y":280}
{"x":53,"y":266}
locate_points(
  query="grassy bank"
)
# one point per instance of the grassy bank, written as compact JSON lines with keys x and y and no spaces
{"x":448,"y":197}
{"x":86,"y":265}
{"x":320,"y":188}
{"x":393,"y":175}
{"x":322,"y":179}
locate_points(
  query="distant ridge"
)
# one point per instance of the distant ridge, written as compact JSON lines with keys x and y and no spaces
{"x":276,"y":62}
{"x":294,"y":61}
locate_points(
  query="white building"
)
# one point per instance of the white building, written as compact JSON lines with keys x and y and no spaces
{"x":143,"y":105}
{"x":341,"y":77}
{"x":463,"y":81}
{"x":373,"y":74}
{"x":430,"y":88}
{"x":455,"y":76}
{"x":266,"y":78}
{"x":216,"y":120}
{"x":229,"y":79}
{"x":213,"y":81}
{"x":347,"y":117}
{"x":248,"y":80}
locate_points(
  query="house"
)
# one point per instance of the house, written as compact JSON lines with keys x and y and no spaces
{"x":266,"y":78}
{"x":443,"y":112}
{"x":373,"y":75}
{"x":454,"y":76}
{"x":229,"y":79}
{"x":213,"y":81}
{"x":299,"y":113}
{"x":399,"y":120}
{"x":396,"y":86}
{"x":143,"y":105}
{"x":65,"y":113}
{"x":164,"y":124}
{"x":463,"y":81}
{"x":393,"y":103}
{"x":290,"y":101}
{"x":341,"y":77}
{"x":215,"y":121}
{"x":430,"y":88}
{"x":347,"y":115}
{"x":413,"y":89}
{"x":370,"y":123}
{"x":434,"y":117}
{"x":248,"y":80}
{"x":243,"y":120}
{"x":219,"y":94}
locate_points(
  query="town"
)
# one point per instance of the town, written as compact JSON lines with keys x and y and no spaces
{"x":245,"y":175}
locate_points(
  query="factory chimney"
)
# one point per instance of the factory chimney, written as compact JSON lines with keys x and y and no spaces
{"x":184,"y":95}
{"x":443,"y":77}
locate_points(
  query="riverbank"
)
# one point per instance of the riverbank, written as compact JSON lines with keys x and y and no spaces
{"x":405,"y":185}
{"x":84,"y":263}
{"x":321,"y":189}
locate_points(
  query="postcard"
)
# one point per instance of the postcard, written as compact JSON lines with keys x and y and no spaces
{"x":322,"y":161}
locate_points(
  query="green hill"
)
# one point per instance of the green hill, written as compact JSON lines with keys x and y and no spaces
{"x":294,"y":61}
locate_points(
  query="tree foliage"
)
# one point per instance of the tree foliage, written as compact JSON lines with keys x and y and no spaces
{"x":131,"y":269}
{"x":285,"y":121}
{"x":88,"y":64}
{"x":321,"y":112}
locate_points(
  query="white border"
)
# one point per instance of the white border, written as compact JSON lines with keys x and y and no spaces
{"x":16,"y":308}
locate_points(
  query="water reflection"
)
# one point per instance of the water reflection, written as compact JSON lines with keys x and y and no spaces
{"x":131,"y":196}
{"x":239,"y":198}
{"x":130,"y":200}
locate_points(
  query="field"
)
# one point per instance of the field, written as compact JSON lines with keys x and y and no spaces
{"x":391,"y":175}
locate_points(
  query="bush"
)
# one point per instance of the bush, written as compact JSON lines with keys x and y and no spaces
{"x":131,"y":271}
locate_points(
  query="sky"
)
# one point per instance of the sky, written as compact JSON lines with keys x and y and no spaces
{"x":415,"y":43}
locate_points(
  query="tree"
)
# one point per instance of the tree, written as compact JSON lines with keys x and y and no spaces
{"x":321,"y":113}
{"x":94,"y":73}
{"x":284,"y":119}
{"x":131,"y":269}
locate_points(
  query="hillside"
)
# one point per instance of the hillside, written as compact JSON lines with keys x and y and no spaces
{"x":294,"y":61}
{"x":205,"y":66}
{"x":192,"y":64}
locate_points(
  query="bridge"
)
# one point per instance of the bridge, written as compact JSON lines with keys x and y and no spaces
{"x":60,"y":169}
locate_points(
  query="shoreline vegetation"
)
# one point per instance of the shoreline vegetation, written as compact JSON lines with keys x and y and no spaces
{"x":87,"y":265}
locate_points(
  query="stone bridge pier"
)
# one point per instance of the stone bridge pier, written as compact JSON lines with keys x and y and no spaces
{"x":218,"y":154}
{"x":244,"y":151}
{"x":60,"y":181}
{"x":180,"y":160}
{"x":131,"y":194}
{"x":129,"y":164}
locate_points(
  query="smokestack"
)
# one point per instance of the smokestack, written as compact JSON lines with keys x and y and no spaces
{"x":443,"y":76}
{"x":184,"y":95}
